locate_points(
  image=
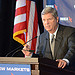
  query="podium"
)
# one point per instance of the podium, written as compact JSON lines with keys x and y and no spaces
{"x":39,"y":66}
{"x":50,"y":67}
{"x":21,"y":60}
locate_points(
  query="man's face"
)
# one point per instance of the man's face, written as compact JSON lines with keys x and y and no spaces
{"x":49,"y":22}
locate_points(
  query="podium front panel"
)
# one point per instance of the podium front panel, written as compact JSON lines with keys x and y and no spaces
{"x":15,"y":69}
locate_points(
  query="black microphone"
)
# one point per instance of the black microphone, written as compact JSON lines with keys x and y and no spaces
{"x":20,"y":47}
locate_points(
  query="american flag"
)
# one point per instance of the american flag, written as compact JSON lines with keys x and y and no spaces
{"x":26,"y":23}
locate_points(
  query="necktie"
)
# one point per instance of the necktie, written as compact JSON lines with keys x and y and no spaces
{"x":52,"y":44}
{"x":52,"y":38}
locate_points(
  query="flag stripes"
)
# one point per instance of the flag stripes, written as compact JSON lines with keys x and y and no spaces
{"x":20,"y":21}
{"x":20,"y":11}
{"x":26,"y":23}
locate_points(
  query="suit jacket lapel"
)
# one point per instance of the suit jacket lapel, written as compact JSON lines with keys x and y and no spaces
{"x":44,"y":44}
{"x":58,"y":40}
{"x":47,"y":46}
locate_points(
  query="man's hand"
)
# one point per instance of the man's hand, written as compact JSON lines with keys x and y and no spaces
{"x":25,"y":50}
{"x":62,"y":63}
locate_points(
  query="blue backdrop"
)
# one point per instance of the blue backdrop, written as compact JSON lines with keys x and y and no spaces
{"x":66,"y":10}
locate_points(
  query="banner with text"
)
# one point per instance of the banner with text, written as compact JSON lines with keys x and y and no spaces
{"x":15,"y":69}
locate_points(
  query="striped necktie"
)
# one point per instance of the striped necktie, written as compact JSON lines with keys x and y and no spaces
{"x":52,"y":44}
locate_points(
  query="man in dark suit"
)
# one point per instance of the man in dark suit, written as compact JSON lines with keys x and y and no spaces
{"x":58,"y":42}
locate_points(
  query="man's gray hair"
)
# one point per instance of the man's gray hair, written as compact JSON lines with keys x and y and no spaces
{"x":47,"y":10}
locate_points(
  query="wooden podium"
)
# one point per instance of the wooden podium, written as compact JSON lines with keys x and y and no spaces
{"x":39,"y":66}
{"x":21,"y":60}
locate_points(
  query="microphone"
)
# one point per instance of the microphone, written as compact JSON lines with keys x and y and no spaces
{"x":20,"y":47}
{"x":21,"y":50}
{"x":29,"y":50}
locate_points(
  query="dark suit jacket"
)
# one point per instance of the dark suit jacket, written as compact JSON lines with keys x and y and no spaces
{"x":64,"y":44}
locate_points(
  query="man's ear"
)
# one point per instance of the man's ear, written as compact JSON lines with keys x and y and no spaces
{"x":57,"y":19}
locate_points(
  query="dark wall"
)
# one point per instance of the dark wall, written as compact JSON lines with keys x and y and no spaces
{"x":7,"y":12}
{"x":5,"y":26}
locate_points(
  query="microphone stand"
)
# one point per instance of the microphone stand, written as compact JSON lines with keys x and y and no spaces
{"x":20,"y":47}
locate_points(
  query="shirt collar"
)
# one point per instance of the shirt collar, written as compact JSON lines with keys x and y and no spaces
{"x":54,"y":32}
